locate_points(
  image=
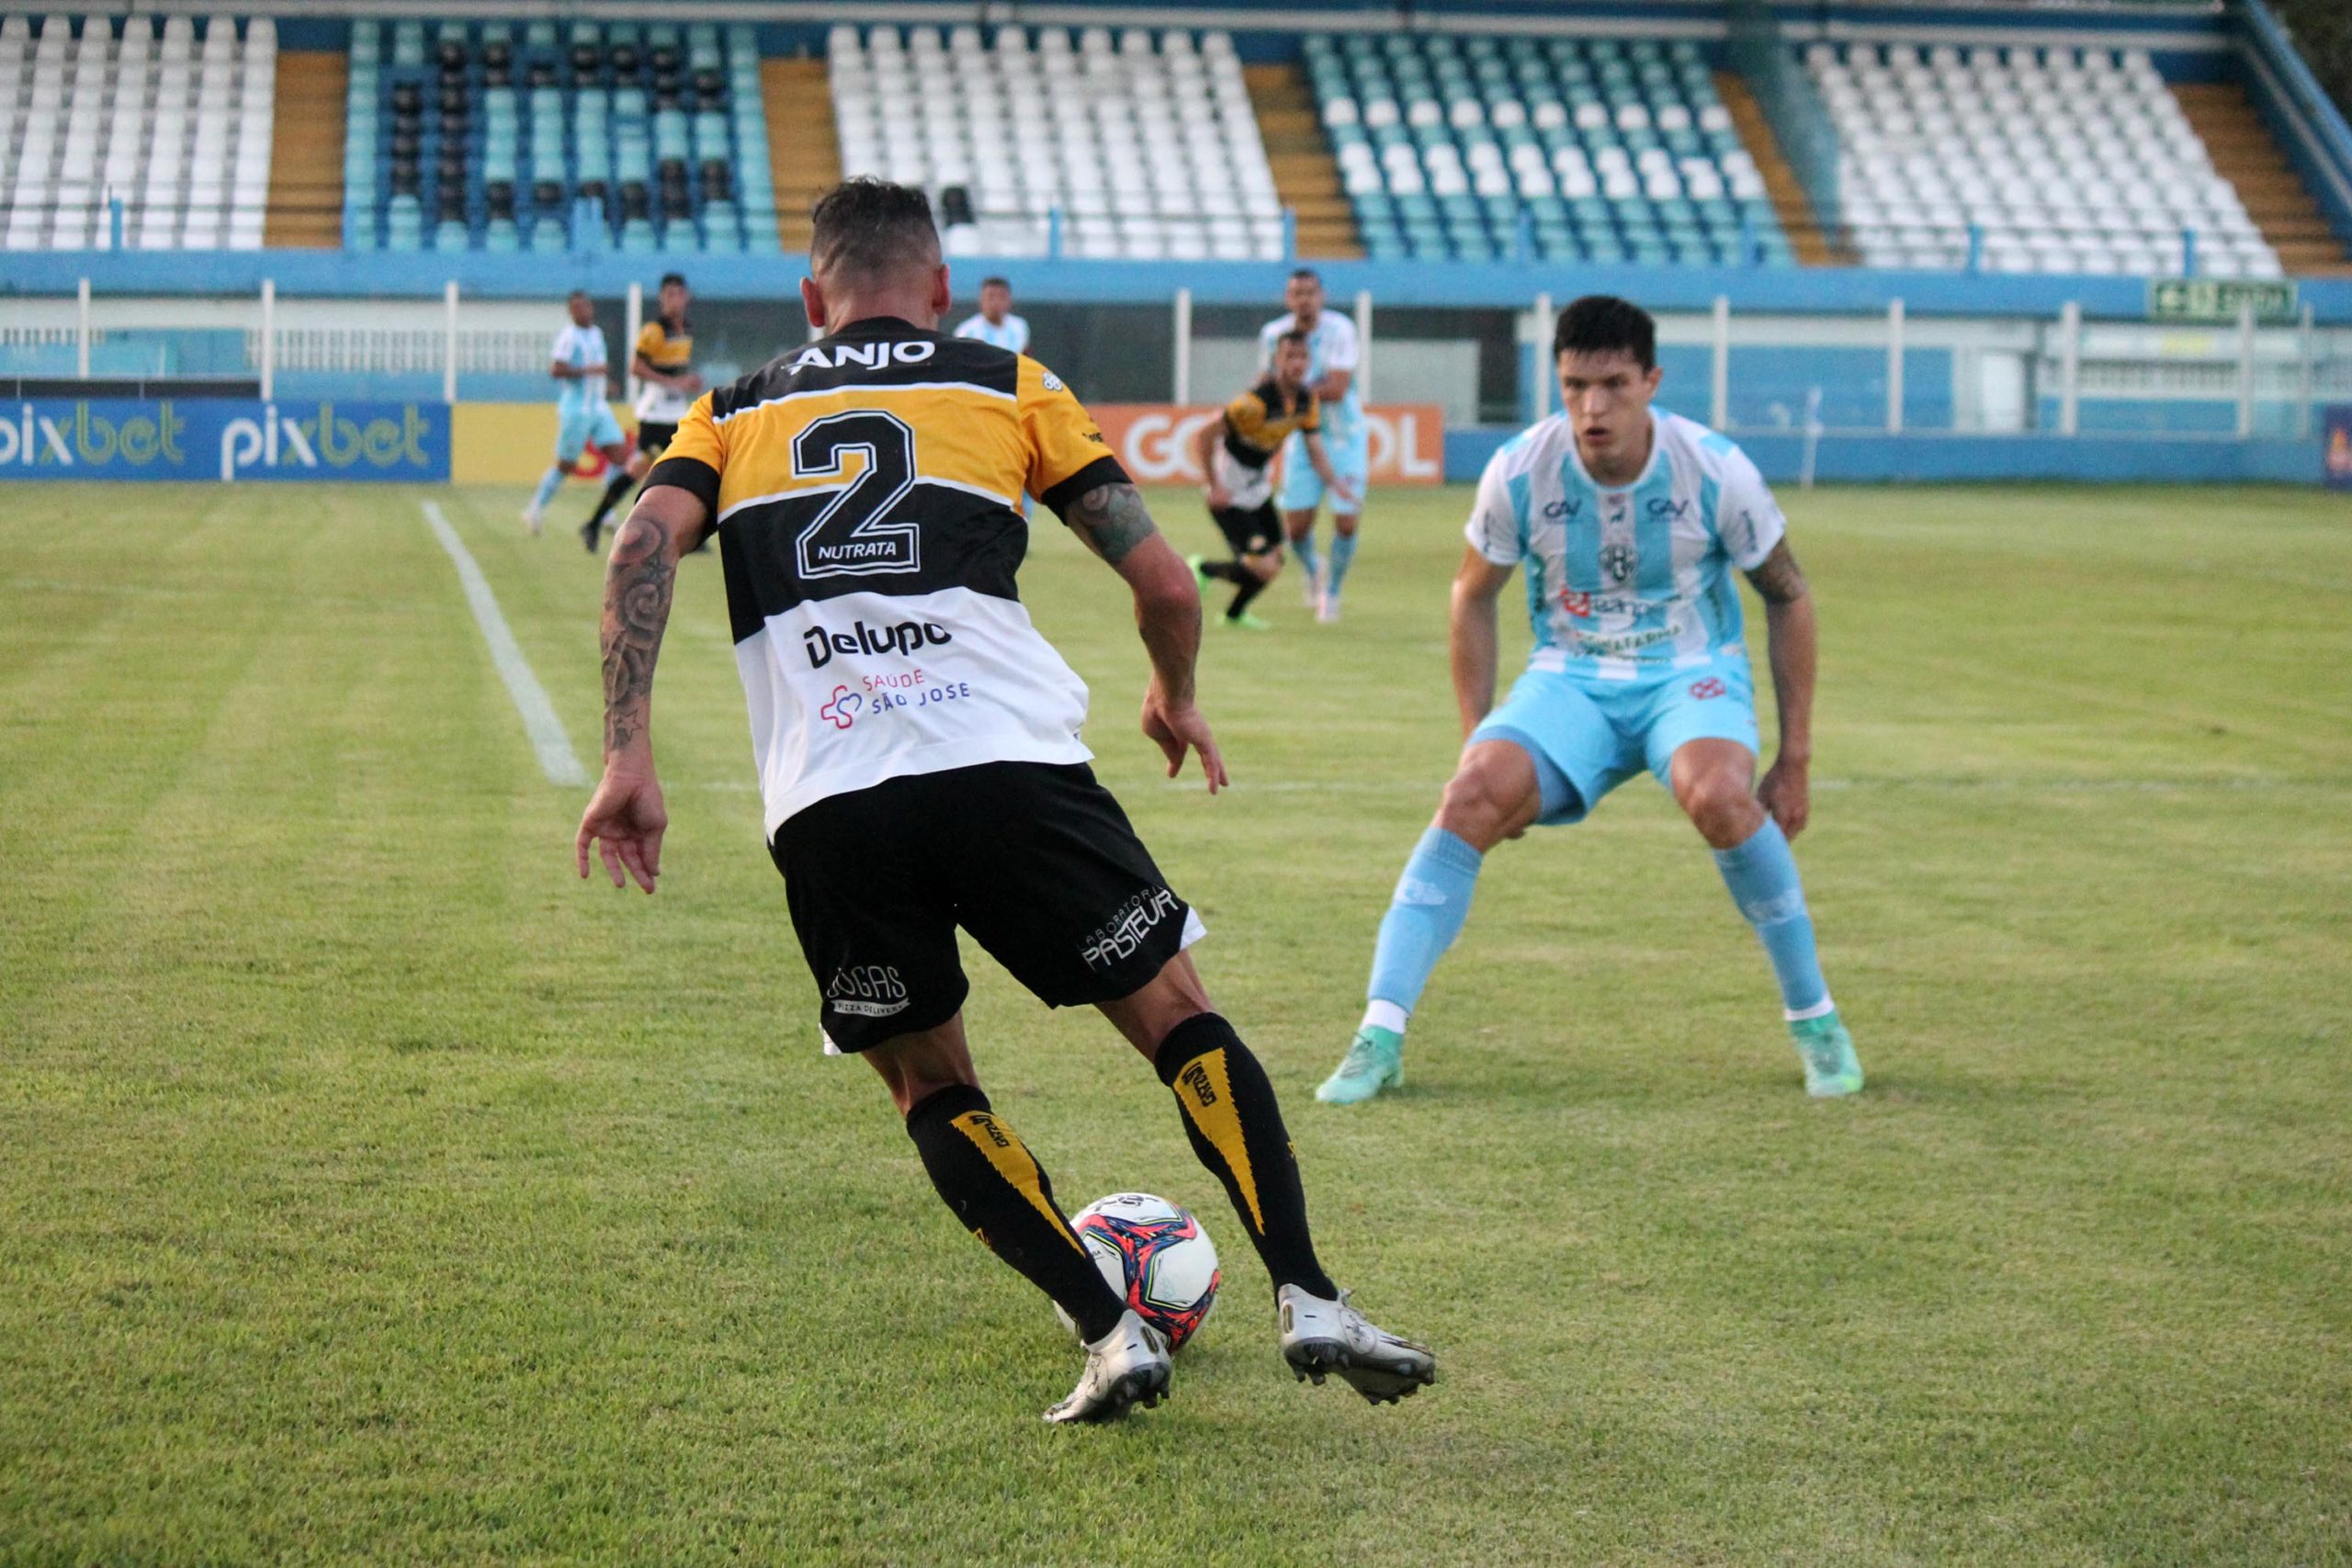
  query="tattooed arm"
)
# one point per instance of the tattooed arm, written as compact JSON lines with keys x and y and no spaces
{"x":1116,"y":525}
{"x":626,"y":818}
{"x":1790,"y":636}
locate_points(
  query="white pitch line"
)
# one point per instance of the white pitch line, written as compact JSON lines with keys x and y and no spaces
{"x":556,"y":759}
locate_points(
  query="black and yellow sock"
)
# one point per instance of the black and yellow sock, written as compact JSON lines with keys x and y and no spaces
{"x":614,"y":489}
{"x":1237,"y":1131}
{"x":1001,"y":1194}
{"x":1251,"y":586}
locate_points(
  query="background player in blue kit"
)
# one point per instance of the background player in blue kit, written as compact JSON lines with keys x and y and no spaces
{"x":581,"y":370}
{"x":1333,"y":356}
{"x":1628,"y":521}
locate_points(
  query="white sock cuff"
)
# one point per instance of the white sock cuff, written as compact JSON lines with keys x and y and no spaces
{"x":1378,"y":1014}
{"x":1820,"y":1009}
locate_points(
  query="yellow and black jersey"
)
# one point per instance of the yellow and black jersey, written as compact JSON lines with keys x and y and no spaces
{"x":1258,"y":421}
{"x":867,"y":494}
{"x":669,"y":348}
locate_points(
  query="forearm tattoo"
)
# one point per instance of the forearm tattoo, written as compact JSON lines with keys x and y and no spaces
{"x":1113,"y":519}
{"x":637,"y":608}
{"x":1780,"y":579}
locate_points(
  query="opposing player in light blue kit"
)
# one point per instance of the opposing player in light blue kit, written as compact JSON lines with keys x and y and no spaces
{"x":1333,"y":356}
{"x":1628,"y":521}
{"x":582,"y":368}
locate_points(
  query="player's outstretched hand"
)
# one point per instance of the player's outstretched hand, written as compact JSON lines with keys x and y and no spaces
{"x":1787,"y":794}
{"x":1177,"y":728}
{"x":625,"y":821}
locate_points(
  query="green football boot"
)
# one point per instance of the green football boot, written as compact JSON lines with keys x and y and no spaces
{"x":1375,"y":1060}
{"x":1831,"y":1068}
{"x":1201,"y":578}
{"x":1244,"y":622}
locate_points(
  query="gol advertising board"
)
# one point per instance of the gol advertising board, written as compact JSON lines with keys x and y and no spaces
{"x":2336,"y":455}
{"x":1154,"y":441}
{"x":223,"y":439}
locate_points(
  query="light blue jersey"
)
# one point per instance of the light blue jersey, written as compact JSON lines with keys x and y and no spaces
{"x":1011,"y":332}
{"x":1331,"y":346}
{"x":1629,"y":583}
{"x":582,"y":348}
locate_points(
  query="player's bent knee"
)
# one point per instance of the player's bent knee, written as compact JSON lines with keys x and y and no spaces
{"x":1493,"y":795}
{"x":1146,"y":1016}
{"x":915,"y":1066}
{"x":1722,"y":807}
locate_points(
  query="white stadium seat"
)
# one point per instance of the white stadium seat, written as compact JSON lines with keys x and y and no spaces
{"x":1147,"y":144}
{"x":2065,"y":159}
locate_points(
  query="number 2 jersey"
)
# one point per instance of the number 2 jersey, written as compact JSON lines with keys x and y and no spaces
{"x":867,"y":492}
{"x":1627,"y":581}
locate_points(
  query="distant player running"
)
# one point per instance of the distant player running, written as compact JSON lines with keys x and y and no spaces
{"x":918,"y":747}
{"x":1236,"y":452}
{"x":1629,"y":522}
{"x":1333,"y":356}
{"x":581,"y":367}
{"x":665,"y":364}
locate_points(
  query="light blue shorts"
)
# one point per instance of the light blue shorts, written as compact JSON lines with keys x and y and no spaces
{"x":577,"y":429}
{"x":1587,"y":736}
{"x":1303,"y":487}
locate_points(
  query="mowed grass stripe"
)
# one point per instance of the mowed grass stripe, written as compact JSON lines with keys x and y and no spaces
{"x":374,"y":1191}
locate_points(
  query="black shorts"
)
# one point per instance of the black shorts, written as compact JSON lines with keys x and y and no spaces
{"x":1251,"y":532}
{"x":651,"y":439}
{"x":1034,"y":858}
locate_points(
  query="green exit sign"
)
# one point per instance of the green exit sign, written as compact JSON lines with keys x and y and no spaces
{"x":2219,"y":299}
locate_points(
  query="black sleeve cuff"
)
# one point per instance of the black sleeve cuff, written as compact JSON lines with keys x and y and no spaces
{"x":1103,"y":470}
{"x":691,"y":475}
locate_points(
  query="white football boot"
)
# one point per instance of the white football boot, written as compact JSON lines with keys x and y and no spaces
{"x":534,"y":519}
{"x":1320,"y":1337}
{"x":1127,"y":1366}
{"x":1313,"y":585}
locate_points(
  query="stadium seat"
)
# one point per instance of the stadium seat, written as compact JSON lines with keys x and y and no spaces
{"x":1146,"y":145}
{"x":496,"y":138}
{"x":2066,"y":161}
{"x":1511,"y":126}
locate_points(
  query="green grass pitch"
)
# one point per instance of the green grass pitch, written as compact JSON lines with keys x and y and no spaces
{"x":372,"y":1191}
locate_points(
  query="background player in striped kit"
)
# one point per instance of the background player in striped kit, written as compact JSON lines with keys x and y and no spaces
{"x":1628,"y":521}
{"x":994,"y":322}
{"x":583,"y":372}
{"x":1333,"y":356}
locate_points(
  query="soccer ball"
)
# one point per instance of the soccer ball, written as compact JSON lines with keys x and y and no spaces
{"x":1156,"y":1256}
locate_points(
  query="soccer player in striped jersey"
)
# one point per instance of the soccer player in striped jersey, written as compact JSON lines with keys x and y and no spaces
{"x":1334,"y":355}
{"x":1628,"y":521}
{"x":918,"y":748}
{"x":995,"y":324}
{"x":583,"y":419}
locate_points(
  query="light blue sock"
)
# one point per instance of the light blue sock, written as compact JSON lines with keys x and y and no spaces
{"x":1304,"y":548}
{"x":1762,"y":876}
{"x":1425,"y":915}
{"x":1343,"y":555}
{"x":550,"y":482}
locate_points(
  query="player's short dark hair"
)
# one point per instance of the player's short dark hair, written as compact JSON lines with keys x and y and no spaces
{"x":1292,"y":337}
{"x":871,"y":228}
{"x":1307,"y":273}
{"x":670,"y":277}
{"x":1003,"y":283}
{"x":575,"y":294}
{"x":1602,"y":323}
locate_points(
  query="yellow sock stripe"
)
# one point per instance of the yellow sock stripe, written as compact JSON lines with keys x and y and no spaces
{"x":1205,"y":1091}
{"x":1013,"y":1160}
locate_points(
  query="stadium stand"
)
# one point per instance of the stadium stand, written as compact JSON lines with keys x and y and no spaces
{"x":176,"y":125}
{"x":505,"y":137}
{"x":2057,"y":159}
{"x":1491,"y":148}
{"x":1147,"y":148}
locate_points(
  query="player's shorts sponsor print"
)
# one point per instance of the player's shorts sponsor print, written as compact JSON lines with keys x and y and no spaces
{"x":1035,"y":860}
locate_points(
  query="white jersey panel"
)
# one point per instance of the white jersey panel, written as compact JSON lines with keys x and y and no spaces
{"x":581,"y":348}
{"x":844,"y":693}
{"x":1013,"y":333}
